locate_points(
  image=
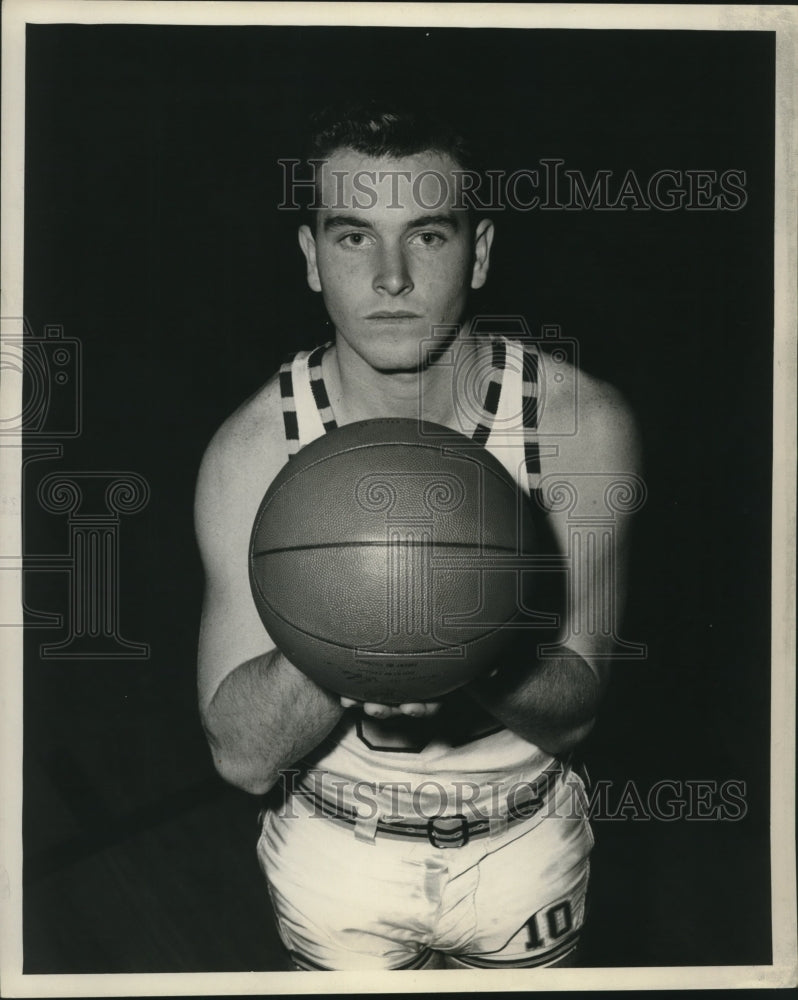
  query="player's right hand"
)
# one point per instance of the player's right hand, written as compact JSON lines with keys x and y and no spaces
{"x":415,"y":709}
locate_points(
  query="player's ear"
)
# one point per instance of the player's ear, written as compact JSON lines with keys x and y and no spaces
{"x":483,"y":240}
{"x":308,"y":246}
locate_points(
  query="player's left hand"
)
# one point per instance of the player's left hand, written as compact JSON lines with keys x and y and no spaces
{"x":415,"y":709}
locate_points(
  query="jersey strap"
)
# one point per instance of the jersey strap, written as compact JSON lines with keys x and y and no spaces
{"x":303,"y":395}
{"x":288,"y":403}
{"x":530,"y":380}
{"x":319,"y":389}
{"x":490,"y":405}
{"x":307,"y":413}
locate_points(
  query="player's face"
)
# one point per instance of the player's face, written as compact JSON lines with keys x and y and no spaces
{"x":392,"y":256}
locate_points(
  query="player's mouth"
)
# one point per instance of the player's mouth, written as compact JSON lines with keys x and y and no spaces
{"x":397,"y":316}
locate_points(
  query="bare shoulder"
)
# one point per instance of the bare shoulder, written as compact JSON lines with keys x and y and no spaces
{"x":588,"y":420}
{"x":242,"y":459}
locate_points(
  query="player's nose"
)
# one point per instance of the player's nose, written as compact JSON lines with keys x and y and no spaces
{"x":393,"y":273}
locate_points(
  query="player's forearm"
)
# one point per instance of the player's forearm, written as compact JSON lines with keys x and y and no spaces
{"x":553,"y":704}
{"x":265,"y":716}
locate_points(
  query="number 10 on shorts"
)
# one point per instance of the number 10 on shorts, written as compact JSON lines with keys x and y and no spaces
{"x":549,"y":925}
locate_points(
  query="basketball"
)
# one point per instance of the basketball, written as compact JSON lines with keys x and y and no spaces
{"x":385,"y":560}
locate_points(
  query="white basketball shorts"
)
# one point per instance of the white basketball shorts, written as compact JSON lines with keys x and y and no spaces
{"x":513,"y":899}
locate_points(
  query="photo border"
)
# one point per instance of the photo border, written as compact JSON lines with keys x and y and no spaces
{"x":781,"y":20}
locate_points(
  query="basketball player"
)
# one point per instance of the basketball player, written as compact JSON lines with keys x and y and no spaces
{"x":427,"y":834}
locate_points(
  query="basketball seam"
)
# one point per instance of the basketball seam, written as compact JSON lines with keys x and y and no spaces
{"x":467,"y":450}
{"x":377,"y":543}
{"x":376,"y":656}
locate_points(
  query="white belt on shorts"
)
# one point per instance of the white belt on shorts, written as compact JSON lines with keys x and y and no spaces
{"x":445,"y":831}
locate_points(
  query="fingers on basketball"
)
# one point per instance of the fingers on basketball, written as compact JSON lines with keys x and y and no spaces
{"x":416,"y":709}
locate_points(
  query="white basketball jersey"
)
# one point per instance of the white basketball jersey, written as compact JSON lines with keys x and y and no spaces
{"x":461,"y":760}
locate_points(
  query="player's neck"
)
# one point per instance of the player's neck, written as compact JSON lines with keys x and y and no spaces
{"x":360,"y":392}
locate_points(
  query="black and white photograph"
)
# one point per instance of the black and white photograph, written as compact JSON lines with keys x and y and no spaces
{"x":398,"y":513}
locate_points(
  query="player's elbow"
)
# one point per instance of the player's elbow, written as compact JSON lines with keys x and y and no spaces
{"x":236,"y":768}
{"x":256,"y":779}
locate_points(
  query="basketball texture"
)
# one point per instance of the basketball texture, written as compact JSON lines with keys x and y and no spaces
{"x":384,"y":560}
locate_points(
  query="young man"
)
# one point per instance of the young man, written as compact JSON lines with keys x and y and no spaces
{"x":468,"y":851}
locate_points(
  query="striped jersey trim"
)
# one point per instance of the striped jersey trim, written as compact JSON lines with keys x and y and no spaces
{"x":319,"y":389}
{"x":530,"y":383}
{"x":493,"y":391}
{"x":288,"y":403}
{"x":489,"y":409}
{"x":288,"y":397}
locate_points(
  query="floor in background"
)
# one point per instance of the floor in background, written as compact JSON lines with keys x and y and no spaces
{"x":181,"y":894}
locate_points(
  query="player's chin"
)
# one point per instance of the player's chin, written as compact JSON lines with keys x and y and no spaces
{"x":398,"y":362}
{"x":410,"y":354}
{"x":397,"y":368}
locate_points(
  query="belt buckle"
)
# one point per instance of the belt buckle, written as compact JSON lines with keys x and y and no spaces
{"x":448,"y":831}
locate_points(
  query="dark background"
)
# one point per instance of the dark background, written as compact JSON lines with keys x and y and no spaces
{"x":152,"y":238}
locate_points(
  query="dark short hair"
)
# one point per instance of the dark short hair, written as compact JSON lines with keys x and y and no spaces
{"x":380,"y":126}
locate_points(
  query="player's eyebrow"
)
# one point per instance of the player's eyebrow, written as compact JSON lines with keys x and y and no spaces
{"x":332,"y":222}
{"x":445,"y":219}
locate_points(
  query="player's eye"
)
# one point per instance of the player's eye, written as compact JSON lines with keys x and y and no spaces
{"x":428,"y":239}
{"x":354,"y":240}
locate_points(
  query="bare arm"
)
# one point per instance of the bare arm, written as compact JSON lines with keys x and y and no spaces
{"x":259,"y":712}
{"x":553,"y":700}
{"x":265,"y":716}
{"x":553,"y":703}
